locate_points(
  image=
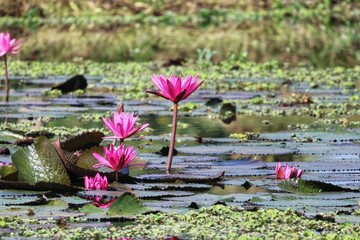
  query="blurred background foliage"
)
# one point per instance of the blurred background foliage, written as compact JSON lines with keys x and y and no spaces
{"x":320,"y":33}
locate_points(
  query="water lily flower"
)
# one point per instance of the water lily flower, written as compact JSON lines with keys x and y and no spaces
{"x":96,"y":183}
{"x":174,"y":89}
{"x":122,"y":125}
{"x":287,"y":172}
{"x":8,"y":46}
{"x":116,"y":158}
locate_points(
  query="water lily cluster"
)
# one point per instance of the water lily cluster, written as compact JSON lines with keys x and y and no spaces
{"x":121,"y":125}
{"x":287,"y":172}
{"x":8,"y":46}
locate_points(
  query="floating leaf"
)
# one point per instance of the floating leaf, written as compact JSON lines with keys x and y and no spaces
{"x":83,"y":141}
{"x":161,"y":194}
{"x":86,"y":159}
{"x":9,"y":137}
{"x":7,"y":170}
{"x":180,"y":177}
{"x":127,"y":204}
{"x":40,"y":163}
{"x":245,"y":149}
{"x":91,"y":208}
{"x":39,"y":186}
{"x":311,"y":136}
{"x":18,"y":201}
{"x":304,"y":186}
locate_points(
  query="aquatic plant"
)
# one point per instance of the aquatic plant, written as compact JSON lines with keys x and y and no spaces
{"x":116,"y":158}
{"x":287,"y":172}
{"x":122,"y":125}
{"x":8,"y":46}
{"x":96,"y":183}
{"x":174,"y":89}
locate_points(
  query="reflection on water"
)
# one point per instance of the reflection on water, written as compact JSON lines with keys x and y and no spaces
{"x":201,"y":126}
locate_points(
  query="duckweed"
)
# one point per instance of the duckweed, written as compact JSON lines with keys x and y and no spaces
{"x":216,"y":222}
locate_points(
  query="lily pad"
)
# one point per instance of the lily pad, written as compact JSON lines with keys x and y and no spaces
{"x":255,"y":149}
{"x":83,"y":141}
{"x":40,"y":163}
{"x":126,"y":205}
{"x":179,"y":177}
{"x":86,"y":159}
{"x":304,"y":186}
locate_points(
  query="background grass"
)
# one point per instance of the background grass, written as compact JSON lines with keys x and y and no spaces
{"x":321,"y":33}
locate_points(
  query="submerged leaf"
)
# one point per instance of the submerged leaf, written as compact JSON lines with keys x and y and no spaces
{"x":40,"y":163}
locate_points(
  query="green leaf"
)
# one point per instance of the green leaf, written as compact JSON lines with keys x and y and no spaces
{"x":40,"y":163}
{"x":86,"y":160}
{"x":91,"y":208}
{"x":304,"y":186}
{"x":9,"y":137}
{"x":83,"y":141}
{"x":126,"y":205}
{"x":7,"y":170}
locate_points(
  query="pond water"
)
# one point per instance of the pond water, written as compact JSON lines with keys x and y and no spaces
{"x":327,"y":152}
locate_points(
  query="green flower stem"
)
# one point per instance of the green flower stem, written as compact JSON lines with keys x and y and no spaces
{"x":6,"y":80}
{"x":172,"y":140}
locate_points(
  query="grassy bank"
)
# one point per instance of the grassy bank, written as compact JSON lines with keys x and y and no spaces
{"x":318,"y":33}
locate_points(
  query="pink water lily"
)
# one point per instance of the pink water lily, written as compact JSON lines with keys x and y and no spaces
{"x":8,"y":45}
{"x":122,"y":125}
{"x":96,"y":183}
{"x":116,"y":158}
{"x":174,"y":88}
{"x":287,"y":172}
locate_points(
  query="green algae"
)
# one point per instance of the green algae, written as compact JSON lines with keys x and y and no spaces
{"x":216,"y":222}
